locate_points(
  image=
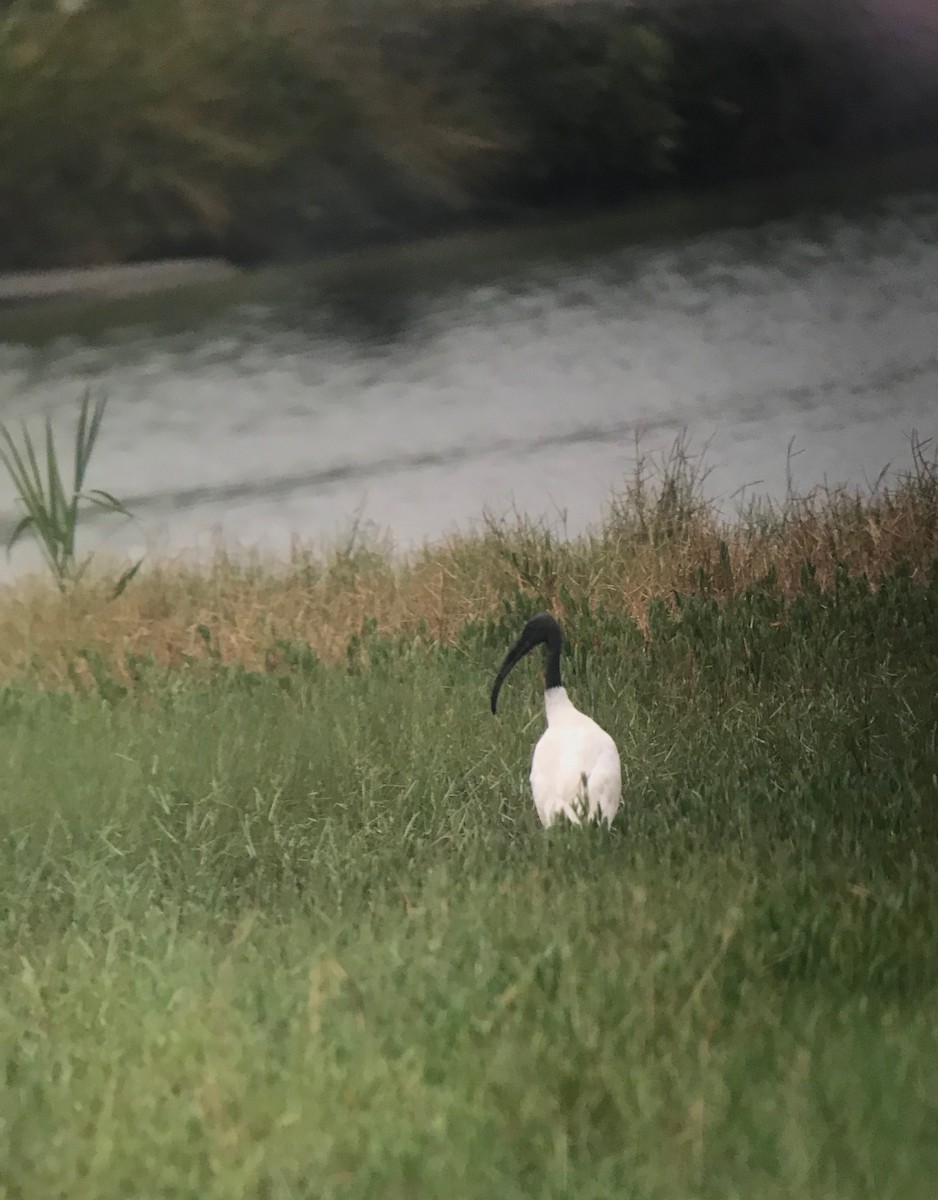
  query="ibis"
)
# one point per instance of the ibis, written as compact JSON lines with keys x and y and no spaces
{"x":575,"y":770}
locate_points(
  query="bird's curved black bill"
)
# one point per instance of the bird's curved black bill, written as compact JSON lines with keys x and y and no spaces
{"x":514,"y":655}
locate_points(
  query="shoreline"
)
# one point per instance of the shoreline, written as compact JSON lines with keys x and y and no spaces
{"x":648,"y":217}
{"x":112,"y":281}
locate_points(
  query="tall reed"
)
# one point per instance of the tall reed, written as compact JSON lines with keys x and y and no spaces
{"x":53,"y":513}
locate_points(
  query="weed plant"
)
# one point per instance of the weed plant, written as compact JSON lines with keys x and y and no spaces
{"x":52,"y":514}
{"x":283,"y":924}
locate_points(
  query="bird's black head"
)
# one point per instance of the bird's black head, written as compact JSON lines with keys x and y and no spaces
{"x":540,"y":630}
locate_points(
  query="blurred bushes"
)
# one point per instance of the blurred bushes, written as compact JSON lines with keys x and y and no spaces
{"x":761,"y":88}
{"x":140,"y":127}
{"x":580,"y":95}
{"x":131,"y":128}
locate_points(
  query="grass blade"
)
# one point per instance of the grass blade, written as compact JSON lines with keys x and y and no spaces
{"x":26,"y":523}
{"x":61,"y":524}
{"x":19,"y":471}
{"x":126,"y":578}
{"x":86,"y":436}
{"x":106,"y":501}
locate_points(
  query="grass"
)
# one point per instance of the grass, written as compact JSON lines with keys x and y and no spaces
{"x":51,"y":513}
{"x":287,"y":926}
{"x":660,"y":534}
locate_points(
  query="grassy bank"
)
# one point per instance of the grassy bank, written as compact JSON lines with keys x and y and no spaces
{"x":153,"y":128}
{"x":660,"y":535}
{"x":278,"y":920}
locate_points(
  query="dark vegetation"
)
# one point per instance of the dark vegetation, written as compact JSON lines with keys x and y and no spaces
{"x":136,"y":128}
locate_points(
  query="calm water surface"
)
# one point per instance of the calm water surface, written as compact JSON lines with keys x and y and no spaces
{"x":416,"y":399}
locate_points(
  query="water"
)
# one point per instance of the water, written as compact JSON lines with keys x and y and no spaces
{"x":416,"y":393}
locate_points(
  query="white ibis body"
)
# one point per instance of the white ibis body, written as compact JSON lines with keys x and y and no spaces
{"x":575,"y":771}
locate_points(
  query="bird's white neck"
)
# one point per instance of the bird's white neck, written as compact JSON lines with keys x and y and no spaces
{"x":557,"y":703}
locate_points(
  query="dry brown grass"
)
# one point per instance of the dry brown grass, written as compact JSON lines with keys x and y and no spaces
{"x":659,"y":535}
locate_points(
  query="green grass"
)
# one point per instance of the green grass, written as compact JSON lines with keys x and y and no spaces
{"x":52,"y":514}
{"x":300,"y":935}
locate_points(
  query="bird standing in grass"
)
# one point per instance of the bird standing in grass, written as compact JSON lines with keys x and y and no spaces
{"x":575,"y":771}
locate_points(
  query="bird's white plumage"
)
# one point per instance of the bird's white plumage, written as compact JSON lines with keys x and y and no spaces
{"x":575,"y":771}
